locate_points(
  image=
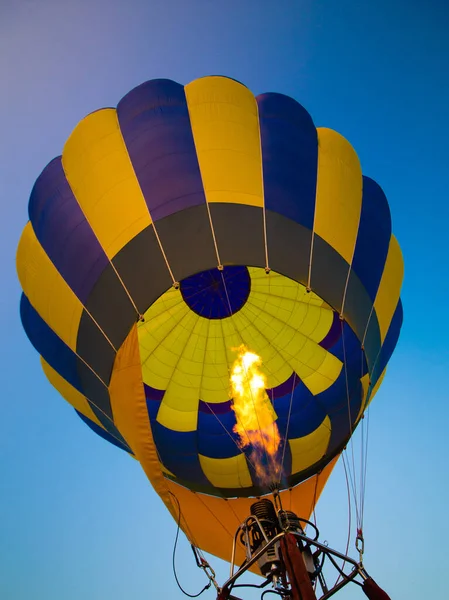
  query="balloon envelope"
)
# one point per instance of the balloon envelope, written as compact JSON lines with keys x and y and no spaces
{"x":179,"y":226}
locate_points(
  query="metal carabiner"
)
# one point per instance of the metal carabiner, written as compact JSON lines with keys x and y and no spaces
{"x":360,"y":545}
{"x":210,"y":573}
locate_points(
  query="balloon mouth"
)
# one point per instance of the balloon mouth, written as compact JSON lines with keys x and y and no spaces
{"x":209,"y":437}
{"x":217,"y":293}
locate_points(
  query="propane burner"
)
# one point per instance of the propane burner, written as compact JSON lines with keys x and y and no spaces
{"x":260,"y":528}
{"x":288,"y":558}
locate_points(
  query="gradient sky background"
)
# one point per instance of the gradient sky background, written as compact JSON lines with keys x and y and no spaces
{"x":78,"y":518}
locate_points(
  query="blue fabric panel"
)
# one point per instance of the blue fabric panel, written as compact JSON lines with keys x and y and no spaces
{"x":373,"y":237}
{"x":153,"y":409}
{"x":216,"y":408}
{"x":216,"y":437}
{"x":305,"y":416}
{"x":348,"y":347}
{"x":153,"y":399}
{"x":301,"y":398}
{"x":152,"y":393}
{"x":48,"y":344}
{"x":63,"y":231}
{"x":333,"y":334}
{"x":216,"y":423}
{"x":217,"y":446}
{"x":178,"y":452}
{"x":215,"y":294}
{"x":102,"y":433}
{"x":284,"y":388}
{"x":341,"y":426}
{"x":304,"y":421}
{"x":391,"y":339}
{"x":289,"y":157}
{"x":334,"y":397}
{"x":155,"y":124}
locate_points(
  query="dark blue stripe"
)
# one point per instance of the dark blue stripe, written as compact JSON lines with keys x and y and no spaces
{"x":305,"y":413}
{"x":217,"y":446}
{"x":103,"y":434}
{"x":178,"y":452}
{"x":333,"y":334}
{"x":216,"y":423}
{"x":52,"y":349}
{"x":216,"y":294}
{"x":215,"y":408}
{"x":153,"y":399}
{"x":289,"y":157}
{"x":373,"y":237}
{"x":302,"y":422}
{"x":63,"y":231}
{"x":286,"y":387}
{"x":155,"y":124}
{"x":342,"y":424}
{"x":348,"y":348}
{"x":216,"y":436}
{"x":341,"y":411}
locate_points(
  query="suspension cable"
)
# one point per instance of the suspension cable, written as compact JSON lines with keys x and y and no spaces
{"x":200,"y":561}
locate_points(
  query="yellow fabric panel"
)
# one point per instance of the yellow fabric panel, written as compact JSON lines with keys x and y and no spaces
{"x":251,"y":325}
{"x":100,"y":173}
{"x":377,"y":386}
{"x":157,"y":339}
{"x":184,"y":388}
{"x":225,"y":126}
{"x":215,"y":380}
{"x":338,"y":194}
{"x":279,"y":285}
{"x":179,"y":407}
{"x":389,"y":290}
{"x":46,"y":289}
{"x":131,"y":415}
{"x":312,"y":321}
{"x":211,"y":522}
{"x":69,"y":393}
{"x":177,"y":420}
{"x":230,"y":472}
{"x":365,"y":387}
{"x":309,"y":449}
{"x":315,"y":366}
{"x":325,"y":376}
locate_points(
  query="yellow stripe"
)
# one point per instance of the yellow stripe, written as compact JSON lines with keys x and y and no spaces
{"x":69,"y":393}
{"x":46,"y":289}
{"x":211,"y":522}
{"x":365,"y":388}
{"x":215,"y":377}
{"x":225,"y":126}
{"x":390,"y":287}
{"x":317,"y":368}
{"x":309,"y":449}
{"x":339,"y":193}
{"x":100,"y":173}
{"x":226,"y":472}
{"x":129,"y":407}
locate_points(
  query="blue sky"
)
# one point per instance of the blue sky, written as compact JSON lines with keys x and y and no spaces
{"x":77,"y":516}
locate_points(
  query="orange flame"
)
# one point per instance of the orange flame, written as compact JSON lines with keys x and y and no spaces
{"x":256,"y":426}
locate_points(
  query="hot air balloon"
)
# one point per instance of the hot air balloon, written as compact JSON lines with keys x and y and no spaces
{"x":214,"y":286}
